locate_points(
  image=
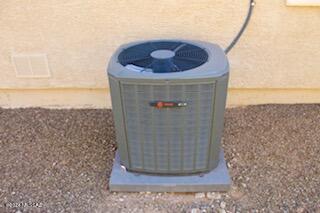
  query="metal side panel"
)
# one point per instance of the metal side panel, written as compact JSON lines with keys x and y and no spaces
{"x":218,"y":119}
{"x":120,"y":126}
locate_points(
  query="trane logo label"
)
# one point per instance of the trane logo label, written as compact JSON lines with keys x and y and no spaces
{"x":168,"y":104}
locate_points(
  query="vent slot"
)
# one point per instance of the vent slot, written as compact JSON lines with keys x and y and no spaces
{"x":31,"y":66}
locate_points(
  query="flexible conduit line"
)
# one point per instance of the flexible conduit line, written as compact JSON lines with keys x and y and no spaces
{"x":244,"y":26}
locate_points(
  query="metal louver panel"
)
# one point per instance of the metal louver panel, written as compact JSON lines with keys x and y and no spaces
{"x":170,"y":140}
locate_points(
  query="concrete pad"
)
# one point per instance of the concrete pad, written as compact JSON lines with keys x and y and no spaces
{"x":124,"y":181}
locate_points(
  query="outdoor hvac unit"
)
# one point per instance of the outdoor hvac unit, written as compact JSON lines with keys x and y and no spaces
{"x":168,"y":99}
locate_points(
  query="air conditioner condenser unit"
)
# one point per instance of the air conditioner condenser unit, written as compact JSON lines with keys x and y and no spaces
{"x":168,"y":100}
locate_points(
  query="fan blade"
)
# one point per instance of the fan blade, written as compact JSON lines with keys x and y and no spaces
{"x":190,"y":59}
{"x":135,"y":59}
{"x":179,"y":47}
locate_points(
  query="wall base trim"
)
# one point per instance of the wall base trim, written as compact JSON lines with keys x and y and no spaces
{"x":55,"y":98}
{"x":240,"y":97}
{"x":100,"y":97}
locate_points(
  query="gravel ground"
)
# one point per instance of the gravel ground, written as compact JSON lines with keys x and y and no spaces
{"x":60,"y":161}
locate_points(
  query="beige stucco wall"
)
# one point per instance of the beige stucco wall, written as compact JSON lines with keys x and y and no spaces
{"x":276,"y":61}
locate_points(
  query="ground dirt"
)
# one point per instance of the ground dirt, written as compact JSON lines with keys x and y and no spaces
{"x":60,"y":161}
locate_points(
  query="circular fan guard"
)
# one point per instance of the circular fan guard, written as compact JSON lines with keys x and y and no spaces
{"x":163,"y":56}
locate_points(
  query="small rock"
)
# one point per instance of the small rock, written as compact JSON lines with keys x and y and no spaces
{"x":195,"y":210}
{"x":213,"y":196}
{"x":200,"y":195}
{"x":236,"y":194}
{"x":300,"y":210}
{"x":121,"y":199}
{"x":244,"y":185}
{"x":222,"y":211}
{"x":223,"y":204}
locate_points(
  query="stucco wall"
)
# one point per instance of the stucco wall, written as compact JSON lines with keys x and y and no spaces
{"x":276,"y":61}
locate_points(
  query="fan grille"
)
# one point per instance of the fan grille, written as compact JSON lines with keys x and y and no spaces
{"x":186,"y":56}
